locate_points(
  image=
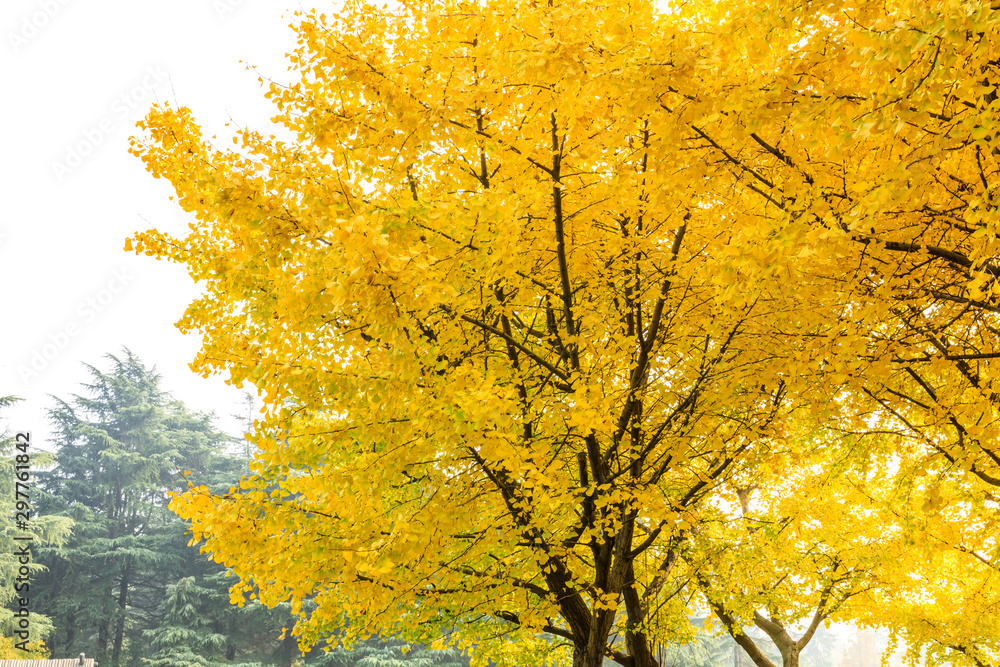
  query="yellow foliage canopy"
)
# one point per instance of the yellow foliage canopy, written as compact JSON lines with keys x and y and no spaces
{"x":532,"y":290}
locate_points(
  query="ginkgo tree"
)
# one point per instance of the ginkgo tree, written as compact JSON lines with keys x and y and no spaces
{"x":810,"y":542}
{"x":530,"y":287}
{"x":884,"y":128}
{"x":945,"y":595}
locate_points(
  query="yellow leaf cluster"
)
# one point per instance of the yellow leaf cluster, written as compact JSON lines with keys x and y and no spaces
{"x":539,"y":294}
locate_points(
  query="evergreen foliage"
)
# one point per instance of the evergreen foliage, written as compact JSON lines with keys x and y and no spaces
{"x":123,"y":446}
{"x":382,"y":652}
{"x":42,"y":529}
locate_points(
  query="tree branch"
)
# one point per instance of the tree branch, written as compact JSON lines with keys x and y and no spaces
{"x":509,"y":339}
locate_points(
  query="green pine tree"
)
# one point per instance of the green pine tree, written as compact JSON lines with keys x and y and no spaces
{"x":122,"y":447}
{"x":38,"y":530}
{"x":383,"y":652}
{"x":187,"y":635}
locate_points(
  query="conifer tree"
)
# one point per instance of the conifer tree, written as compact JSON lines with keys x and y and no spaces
{"x":122,"y":446}
{"x":42,"y":529}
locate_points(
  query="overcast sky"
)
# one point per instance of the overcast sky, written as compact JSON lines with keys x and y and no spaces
{"x":78,"y":74}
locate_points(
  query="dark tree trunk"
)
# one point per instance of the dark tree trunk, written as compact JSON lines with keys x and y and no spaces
{"x":289,"y":649}
{"x":584,"y":658}
{"x":635,"y":640}
{"x":120,"y":625}
{"x":70,"y":632}
{"x":102,"y":637}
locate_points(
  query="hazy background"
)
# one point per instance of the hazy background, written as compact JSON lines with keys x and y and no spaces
{"x":77,"y":75}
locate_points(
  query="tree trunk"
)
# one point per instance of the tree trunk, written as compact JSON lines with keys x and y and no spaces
{"x":70,"y":632}
{"x":289,"y":649}
{"x":102,"y":637}
{"x":120,"y":626}
{"x":636,"y":652}
{"x":791,"y":657}
{"x":615,"y":575}
{"x":788,"y":647}
{"x":636,"y":641}
{"x":584,"y":658}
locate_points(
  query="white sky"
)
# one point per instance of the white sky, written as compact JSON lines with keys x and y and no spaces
{"x":78,"y":75}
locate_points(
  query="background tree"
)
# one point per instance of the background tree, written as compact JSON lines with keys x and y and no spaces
{"x":185,"y":636}
{"x":809,"y":543}
{"x":42,"y":529}
{"x":387,"y":652}
{"x":949,"y":526}
{"x":120,"y":448}
{"x":712,"y":648}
